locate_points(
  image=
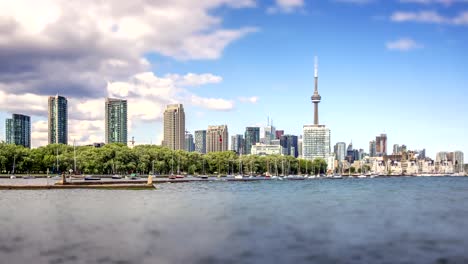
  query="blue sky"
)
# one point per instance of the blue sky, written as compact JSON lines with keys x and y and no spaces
{"x":384,"y":67}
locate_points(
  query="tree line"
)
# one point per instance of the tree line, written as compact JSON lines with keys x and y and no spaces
{"x":144,"y":159}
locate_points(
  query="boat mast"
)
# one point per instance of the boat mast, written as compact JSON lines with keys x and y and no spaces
{"x":276,"y":168}
{"x":172,"y":164}
{"x":57,"y":161}
{"x":74,"y":157}
{"x":282,"y":167}
{"x":178,"y":167}
{"x":14,"y":163}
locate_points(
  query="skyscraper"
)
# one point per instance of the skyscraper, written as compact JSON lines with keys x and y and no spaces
{"x":340,"y":151}
{"x":270,"y":133}
{"x":316,"y":140}
{"x":189,"y":145}
{"x":289,"y":146}
{"x":200,"y":141}
{"x":58,"y":120}
{"x":217,"y":138}
{"x":237,"y":143}
{"x":252,"y":136}
{"x":381,"y":145}
{"x":174,"y":127}
{"x":116,"y":121}
{"x":372,"y":148}
{"x":279,"y":133}
{"x":18,"y":130}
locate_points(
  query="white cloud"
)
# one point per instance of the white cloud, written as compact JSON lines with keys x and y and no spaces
{"x":403,"y":44}
{"x":286,"y":6}
{"x":191,"y":79}
{"x":252,"y":99}
{"x":43,"y":41}
{"x":212,"y":103}
{"x":430,"y":17}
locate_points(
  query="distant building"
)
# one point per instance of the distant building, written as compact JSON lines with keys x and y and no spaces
{"x":381,"y":145}
{"x":422,"y":154}
{"x":96,"y":145}
{"x":237,"y":143}
{"x":316,"y":142}
{"x":58,"y":120}
{"x":263,"y":149}
{"x":441,"y":156}
{"x":174,"y":127}
{"x":372,"y":149}
{"x":279,"y":133}
{"x":189,"y":144}
{"x":350,"y":153}
{"x":340,"y":151}
{"x":217,"y":138}
{"x":116,"y":121}
{"x":270,"y":134}
{"x":251,"y":137}
{"x":200,"y":141}
{"x":299,"y":146}
{"x":18,"y":130}
{"x":289,"y":145}
{"x":396,"y":149}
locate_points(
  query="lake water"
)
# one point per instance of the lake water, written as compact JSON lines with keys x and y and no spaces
{"x":381,"y":220}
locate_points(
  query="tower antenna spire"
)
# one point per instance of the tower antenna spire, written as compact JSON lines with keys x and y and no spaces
{"x":316,"y":97}
{"x":316,"y":67}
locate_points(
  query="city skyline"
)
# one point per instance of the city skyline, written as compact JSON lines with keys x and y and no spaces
{"x":385,"y":80}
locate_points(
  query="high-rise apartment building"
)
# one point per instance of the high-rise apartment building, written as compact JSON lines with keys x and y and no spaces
{"x":458,"y":161}
{"x":174,"y":127}
{"x":189,"y":144}
{"x":340,"y":151}
{"x":200,"y":141}
{"x":289,"y":145}
{"x":18,"y":130}
{"x":381,"y":145}
{"x":237,"y":143}
{"x":251,"y":137}
{"x":217,"y":138}
{"x":316,"y":142}
{"x":372,"y":149}
{"x":58,"y":120}
{"x":116,"y":121}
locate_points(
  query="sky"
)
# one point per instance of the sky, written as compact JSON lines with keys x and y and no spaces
{"x":395,"y":66}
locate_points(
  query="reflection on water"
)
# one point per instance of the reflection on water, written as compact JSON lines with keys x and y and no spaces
{"x":391,"y":220}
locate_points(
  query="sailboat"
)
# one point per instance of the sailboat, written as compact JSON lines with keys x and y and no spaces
{"x":172,"y":176}
{"x":115,"y":176}
{"x":13,"y":171}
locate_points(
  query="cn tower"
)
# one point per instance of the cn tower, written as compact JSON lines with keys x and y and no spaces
{"x":316,"y":97}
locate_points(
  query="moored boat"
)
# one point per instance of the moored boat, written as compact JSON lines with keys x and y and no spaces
{"x":91,"y":178}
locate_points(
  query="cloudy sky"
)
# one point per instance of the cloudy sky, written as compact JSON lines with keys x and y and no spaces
{"x":394,"y":66}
